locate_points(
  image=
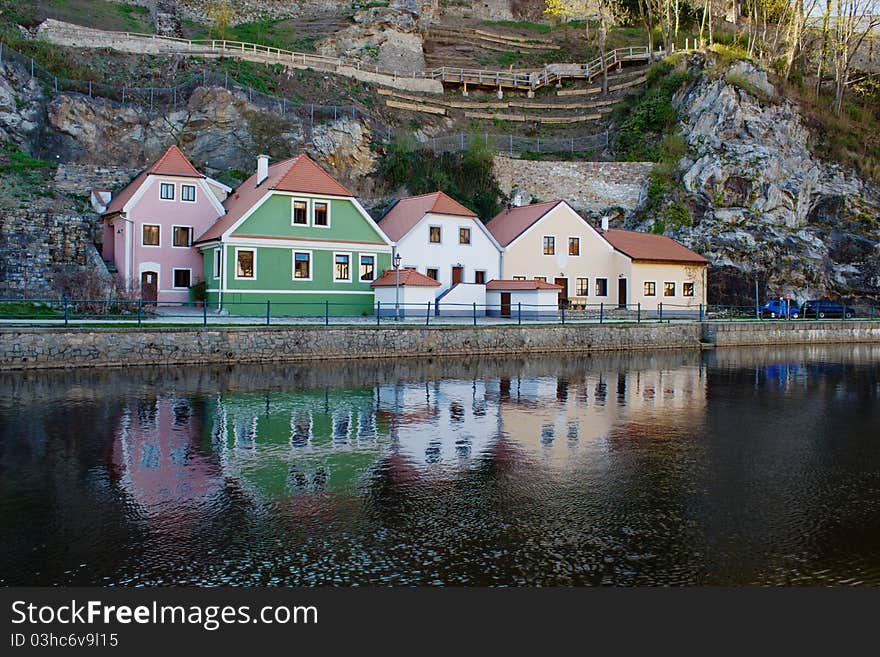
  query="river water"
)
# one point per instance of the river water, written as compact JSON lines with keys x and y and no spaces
{"x":727,"y":467}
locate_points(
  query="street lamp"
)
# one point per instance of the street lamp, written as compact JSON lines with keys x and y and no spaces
{"x":396,"y":262}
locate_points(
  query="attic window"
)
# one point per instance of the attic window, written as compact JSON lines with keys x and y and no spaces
{"x":301,"y":213}
{"x":434,"y":234}
{"x":166,"y":191}
{"x":464,"y":235}
{"x":188,"y":193}
{"x":322,"y":213}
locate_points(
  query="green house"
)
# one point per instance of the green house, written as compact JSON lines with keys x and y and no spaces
{"x":293,"y":241}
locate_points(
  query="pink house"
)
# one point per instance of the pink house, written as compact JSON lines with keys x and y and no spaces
{"x":150,"y":225}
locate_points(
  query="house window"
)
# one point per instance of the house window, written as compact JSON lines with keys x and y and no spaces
{"x":188,"y":193}
{"x":574,"y":246}
{"x":342,"y":267}
{"x":650,"y":289}
{"x":322,"y":213}
{"x":541,"y":279}
{"x":432,"y":273}
{"x":166,"y":191}
{"x":549,"y":245}
{"x":519,"y":278}
{"x":151,"y":235}
{"x":582,"y":285}
{"x":687,"y":289}
{"x":302,"y":265}
{"x":182,"y":278}
{"x":301,"y":213}
{"x":434,"y":234}
{"x":480,"y":277}
{"x":669,"y":289}
{"x":464,"y":235}
{"x":601,"y":287}
{"x":182,"y":236}
{"x":245,"y":259}
{"x":216,"y":263}
{"x":368,"y":267}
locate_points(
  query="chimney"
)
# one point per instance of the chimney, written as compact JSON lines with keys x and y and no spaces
{"x":262,"y":168}
{"x":605,"y":224}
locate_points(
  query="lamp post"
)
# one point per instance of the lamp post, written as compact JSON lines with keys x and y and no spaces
{"x":396,"y":262}
{"x":757,"y":302}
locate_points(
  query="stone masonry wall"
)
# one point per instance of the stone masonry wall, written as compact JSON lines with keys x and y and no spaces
{"x":590,"y":186}
{"x":28,"y":348}
{"x":37,"y":248}
{"x":80,"y":179}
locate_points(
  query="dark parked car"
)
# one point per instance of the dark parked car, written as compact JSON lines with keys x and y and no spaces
{"x":780,"y":308}
{"x":821,"y":308}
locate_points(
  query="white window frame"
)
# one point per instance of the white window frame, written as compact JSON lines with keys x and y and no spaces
{"x":596,"y":280}
{"x":174,"y":285}
{"x":693,"y":289}
{"x":585,"y":278}
{"x":645,"y":294}
{"x":151,"y":246}
{"x":375,"y":266}
{"x":544,"y":247}
{"x":235,"y":270}
{"x":293,"y":265}
{"x":293,"y":201}
{"x":173,"y":191}
{"x":568,"y":245}
{"x":191,"y":234}
{"x":312,"y":213}
{"x":674,"y":290}
{"x":435,"y":268}
{"x":438,"y":227}
{"x":350,"y":267}
{"x":519,"y":278}
{"x":485,"y":276}
{"x":470,"y":236}
{"x":217,"y":262}
{"x":195,"y":193}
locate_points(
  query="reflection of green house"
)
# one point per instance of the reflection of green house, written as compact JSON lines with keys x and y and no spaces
{"x":296,"y":238}
{"x":283,"y":444}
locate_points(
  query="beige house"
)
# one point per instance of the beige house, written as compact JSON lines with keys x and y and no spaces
{"x":553,"y":243}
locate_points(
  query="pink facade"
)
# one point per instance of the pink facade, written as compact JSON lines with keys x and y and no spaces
{"x":151,"y":224}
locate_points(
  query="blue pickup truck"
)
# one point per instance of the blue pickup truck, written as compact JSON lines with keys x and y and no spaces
{"x":780,"y":308}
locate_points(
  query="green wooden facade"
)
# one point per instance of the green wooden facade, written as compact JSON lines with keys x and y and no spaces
{"x":270,"y":233}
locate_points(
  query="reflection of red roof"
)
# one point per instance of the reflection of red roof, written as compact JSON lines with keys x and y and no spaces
{"x":407,"y":212}
{"x":650,"y":247}
{"x":513,"y":222}
{"x":521,"y":285}
{"x":172,"y":163}
{"x":408,"y":277}
{"x":297,"y":174}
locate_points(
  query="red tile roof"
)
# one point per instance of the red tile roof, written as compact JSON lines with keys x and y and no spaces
{"x":297,"y":174}
{"x":408,"y":277}
{"x":651,"y":248}
{"x":513,"y":222}
{"x":172,"y":163}
{"x":501,"y":284}
{"x":407,"y":212}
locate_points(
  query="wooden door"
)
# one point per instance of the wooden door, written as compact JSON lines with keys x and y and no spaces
{"x":621,"y":293}
{"x":457,"y":273}
{"x":563,"y":293}
{"x":505,"y":304}
{"x":149,"y":286}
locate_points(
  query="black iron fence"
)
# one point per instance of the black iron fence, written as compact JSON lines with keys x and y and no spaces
{"x":137,"y":312}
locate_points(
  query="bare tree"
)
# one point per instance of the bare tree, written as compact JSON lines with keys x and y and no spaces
{"x":853,"y":23}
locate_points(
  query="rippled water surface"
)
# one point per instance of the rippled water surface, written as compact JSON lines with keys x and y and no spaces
{"x":727,"y":467}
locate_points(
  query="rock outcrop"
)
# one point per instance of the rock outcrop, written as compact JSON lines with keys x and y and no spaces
{"x":759,"y":197}
{"x":22,"y":108}
{"x":343,"y":147}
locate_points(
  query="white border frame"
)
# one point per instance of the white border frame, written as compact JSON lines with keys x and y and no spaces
{"x":568,"y":247}
{"x":192,"y":235}
{"x":470,"y":231}
{"x":584,"y":278}
{"x":485,"y":276}
{"x":438,"y":227}
{"x":596,"y":282}
{"x":674,"y":285}
{"x":375,"y":267}
{"x":544,"y":246}
{"x":645,"y":294}
{"x":293,"y":255}
{"x":195,"y":192}
{"x":151,"y":246}
{"x":217,"y":264}
{"x":235,"y":265}
{"x":693,"y":295}
{"x":329,"y":205}
{"x":308,"y":203}
{"x":350,"y":267}
{"x":173,"y":191}
{"x":177,"y":269}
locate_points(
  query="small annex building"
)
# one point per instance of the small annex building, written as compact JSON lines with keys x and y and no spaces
{"x":529,"y":299}
{"x":404,"y":293}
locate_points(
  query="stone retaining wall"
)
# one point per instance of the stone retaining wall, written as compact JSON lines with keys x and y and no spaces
{"x":37,"y":348}
{"x":592,"y":186}
{"x":42,"y":348}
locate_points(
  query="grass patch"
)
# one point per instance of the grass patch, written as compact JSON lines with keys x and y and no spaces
{"x":274,"y":33}
{"x":27,"y":310}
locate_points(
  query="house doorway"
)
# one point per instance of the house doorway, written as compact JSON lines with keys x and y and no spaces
{"x":505,"y":304}
{"x":563,"y":293}
{"x":149,"y":286}
{"x":621,"y":293}
{"x":457,"y":275}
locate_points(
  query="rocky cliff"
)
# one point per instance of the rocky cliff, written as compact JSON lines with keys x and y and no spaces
{"x":759,"y":198}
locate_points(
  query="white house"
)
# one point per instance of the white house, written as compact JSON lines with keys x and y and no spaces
{"x":404,"y":293}
{"x":445,"y":241}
